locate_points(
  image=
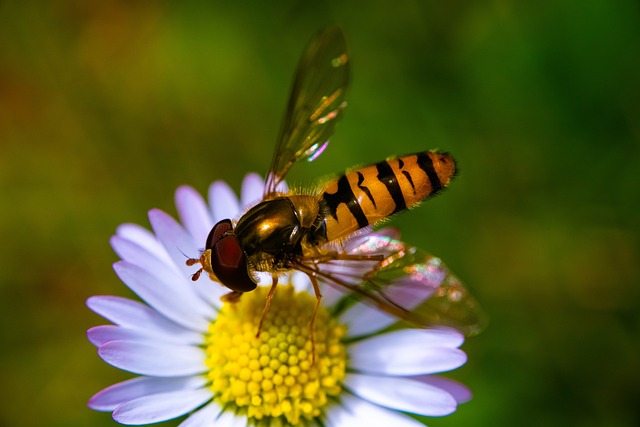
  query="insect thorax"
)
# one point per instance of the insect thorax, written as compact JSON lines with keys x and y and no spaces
{"x":274,"y":232}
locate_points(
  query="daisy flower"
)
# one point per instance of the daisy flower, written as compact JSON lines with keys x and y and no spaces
{"x":197,"y":356}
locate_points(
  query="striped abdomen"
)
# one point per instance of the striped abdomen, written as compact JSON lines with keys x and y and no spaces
{"x":365,"y":196}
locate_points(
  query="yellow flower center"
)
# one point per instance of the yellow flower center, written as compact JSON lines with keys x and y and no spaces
{"x":273,"y":379}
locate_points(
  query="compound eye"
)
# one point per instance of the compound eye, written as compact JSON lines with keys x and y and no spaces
{"x":217,"y":232}
{"x":229,"y":264}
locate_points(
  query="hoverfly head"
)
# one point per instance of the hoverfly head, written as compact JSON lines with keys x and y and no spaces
{"x":224,"y":259}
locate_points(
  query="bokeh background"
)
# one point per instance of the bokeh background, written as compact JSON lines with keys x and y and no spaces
{"x":107,"y":107}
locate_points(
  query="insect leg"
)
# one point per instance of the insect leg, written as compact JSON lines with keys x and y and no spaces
{"x":374,"y":295}
{"x":231,"y":297}
{"x":316,"y":291}
{"x":267,"y":305}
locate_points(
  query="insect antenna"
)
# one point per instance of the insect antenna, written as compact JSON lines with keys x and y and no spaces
{"x":192,"y":261}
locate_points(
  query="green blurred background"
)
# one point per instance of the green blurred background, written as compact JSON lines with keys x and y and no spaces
{"x":107,"y":107}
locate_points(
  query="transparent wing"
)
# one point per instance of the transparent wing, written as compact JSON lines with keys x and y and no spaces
{"x":315,"y":104}
{"x":401,"y":280}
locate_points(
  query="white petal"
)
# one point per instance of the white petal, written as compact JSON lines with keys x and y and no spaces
{"x":137,"y":316}
{"x":112,"y":397}
{"x":408,"y":352}
{"x":178,"y":243}
{"x":364,"y":320}
{"x":300,"y":281}
{"x":357,"y":412}
{"x":205,"y":417}
{"x":143,"y":237}
{"x":168,"y":272}
{"x":135,"y":254}
{"x":252,"y":189}
{"x":193,"y":213}
{"x":330,"y":295}
{"x":282,"y":187}
{"x":223,"y":202}
{"x":436,"y":337}
{"x":402,"y":394}
{"x":160,"y":407}
{"x":264,"y":279}
{"x":459,"y":391}
{"x":229,"y":419}
{"x":210,"y":291}
{"x":99,"y":335}
{"x":174,"y":300}
{"x":159,"y":360}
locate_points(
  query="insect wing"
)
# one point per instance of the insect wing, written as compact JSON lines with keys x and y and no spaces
{"x":407,"y":282}
{"x":316,"y":103}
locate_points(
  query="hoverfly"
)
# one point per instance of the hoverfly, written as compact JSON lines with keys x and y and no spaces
{"x":313,"y":232}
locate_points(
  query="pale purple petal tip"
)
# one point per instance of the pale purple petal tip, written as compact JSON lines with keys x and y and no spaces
{"x":160,"y":407}
{"x":137,"y":316}
{"x":113,"y":396}
{"x":402,"y":394}
{"x":223,"y":202}
{"x":459,"y":391}
{"x":154,"y":359}
{"x":143,"y":238}
{"x":408,"y":352}
{"x":99,"y":335}
{"x":179,"y":244}
{"x":252,"y":189}
{"x":174,"y":300}
{"x":135,"y":254}
{"x":193,"y":212}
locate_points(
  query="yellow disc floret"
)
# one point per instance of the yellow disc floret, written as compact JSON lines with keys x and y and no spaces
{"x":273,"y":379}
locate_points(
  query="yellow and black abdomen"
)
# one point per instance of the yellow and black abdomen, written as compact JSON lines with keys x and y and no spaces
{"x":365,"y":196}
